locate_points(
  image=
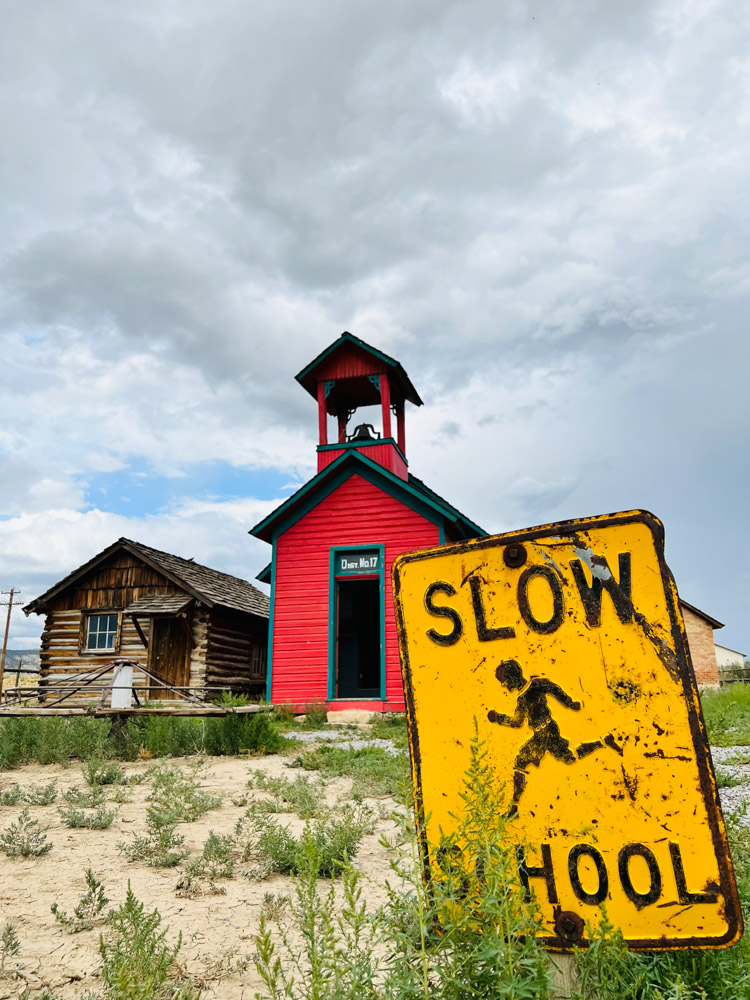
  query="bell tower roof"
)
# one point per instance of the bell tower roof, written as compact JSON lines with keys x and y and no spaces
{"x":350,"y":363}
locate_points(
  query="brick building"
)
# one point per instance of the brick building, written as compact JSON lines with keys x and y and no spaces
{"x":700,"y":633}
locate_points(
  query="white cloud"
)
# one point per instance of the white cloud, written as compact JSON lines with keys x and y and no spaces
{"x":541,"y":213}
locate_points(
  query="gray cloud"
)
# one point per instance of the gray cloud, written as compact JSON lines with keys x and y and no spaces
{"x":540,"y":210}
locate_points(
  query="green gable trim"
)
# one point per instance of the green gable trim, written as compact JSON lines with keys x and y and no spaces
{"x":347,"y":337}
{"x":347,"y":466}
{"x":362,"y":444}
{"x":269,"y":651}
{"x":265,"y":574}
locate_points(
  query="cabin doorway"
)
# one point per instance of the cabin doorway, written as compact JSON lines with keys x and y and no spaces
{"x":168,"y":656}
{"x":358,"y":650}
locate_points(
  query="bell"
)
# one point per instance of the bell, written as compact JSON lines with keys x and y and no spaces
{"x":364,"y":432}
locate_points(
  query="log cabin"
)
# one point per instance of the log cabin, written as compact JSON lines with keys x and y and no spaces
{"x":191,"y":626}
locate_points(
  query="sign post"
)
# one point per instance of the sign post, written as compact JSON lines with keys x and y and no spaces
{"x":565,"y":646}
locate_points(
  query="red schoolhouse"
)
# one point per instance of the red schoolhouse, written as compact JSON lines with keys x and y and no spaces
{"x":332,"y":630}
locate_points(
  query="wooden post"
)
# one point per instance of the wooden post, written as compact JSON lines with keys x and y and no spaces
{"x":322,"y":418}
{"x":385,"y":399}
{"x":400,"y":426}
{"x":5,"y":640}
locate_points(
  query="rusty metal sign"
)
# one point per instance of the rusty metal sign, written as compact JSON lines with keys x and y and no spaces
{"x":566,"y":644}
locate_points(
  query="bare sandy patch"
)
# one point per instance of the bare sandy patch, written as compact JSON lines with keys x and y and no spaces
{"x":218,"y":931}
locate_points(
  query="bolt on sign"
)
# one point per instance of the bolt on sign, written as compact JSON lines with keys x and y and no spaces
{"x":566,"y":644}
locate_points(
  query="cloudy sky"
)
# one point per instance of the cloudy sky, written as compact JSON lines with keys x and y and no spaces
{"x":541,"y":209}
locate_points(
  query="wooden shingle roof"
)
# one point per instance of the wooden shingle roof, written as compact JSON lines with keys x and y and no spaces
{"x":207,"y":585}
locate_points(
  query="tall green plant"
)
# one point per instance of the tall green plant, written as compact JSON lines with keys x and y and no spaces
{"x":137,"y":963}
{"x":470,"y":933}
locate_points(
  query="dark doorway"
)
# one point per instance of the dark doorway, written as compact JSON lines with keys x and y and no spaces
{"x":358,"y":638}
{"x":168,"y":655}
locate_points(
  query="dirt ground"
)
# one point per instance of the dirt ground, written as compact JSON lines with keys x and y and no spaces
{"x":217,"y":930}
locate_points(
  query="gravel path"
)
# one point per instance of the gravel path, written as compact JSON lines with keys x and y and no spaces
{"x":348,"y":739}
{"x":726,"y":766}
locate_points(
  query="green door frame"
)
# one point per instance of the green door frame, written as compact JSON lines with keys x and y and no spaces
{"x":332,"y":612}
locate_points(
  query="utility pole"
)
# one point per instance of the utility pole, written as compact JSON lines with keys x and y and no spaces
{"x":9,"y":602}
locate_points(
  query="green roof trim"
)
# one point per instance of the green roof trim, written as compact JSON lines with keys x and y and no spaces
{"x":265,"y":574}
{"x":419,"y":497}
{"x":412,"y":395}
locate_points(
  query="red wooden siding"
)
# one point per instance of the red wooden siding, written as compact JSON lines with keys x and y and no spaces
{"x":357,"y":513}
{"x":349,"y":361}
{"x":384,"y":454}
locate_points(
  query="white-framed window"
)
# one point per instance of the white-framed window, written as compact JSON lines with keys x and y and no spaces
{"x":101,"y":632}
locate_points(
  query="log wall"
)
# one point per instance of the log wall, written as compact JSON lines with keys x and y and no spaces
{"x":236,"y":651}
{"x":60,"y":657}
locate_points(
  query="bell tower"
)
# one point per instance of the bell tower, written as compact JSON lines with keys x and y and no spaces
{"x":349,"y":375}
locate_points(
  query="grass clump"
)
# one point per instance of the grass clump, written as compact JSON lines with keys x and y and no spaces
{"x":11,"y":796}
{"x":90,"y":910}
{"x":727,"y":714}
{"x":374,"y":771}
{"x":724,"y":779}
{"x":334,"y":842}
{"x":40,"y":795}
{"x":390,"y":726}
{"x":316,"y":715}
{"x":138,"y":964}
{"x":23,"y":839}
{"x":84,"y":798}
{"x":58,"y":740}
{"x":97,"y":772}
{"x":179,"y":794}
{"x":100,"y":818}
{"x":302,"y":795}
{"x":216,"y":861}
{"x":10,"y":945}
{"x":160,"y":846}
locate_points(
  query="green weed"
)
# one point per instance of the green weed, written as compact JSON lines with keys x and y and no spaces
{"x":138,"y":964}
{"x":333,"y":841}
{"x":160,"y":847}
{"x":97,"y":772}
{"x":22,"y":839}
{"x":316,"y":715}
{"x":59,"y":740}
{"x":301,"y":795}
{"x":726,"y":780}
{"x":40,"y":795}
{"x":10,"y":944}
{"x":470,"y":934}
{"x":100,"y":818}
{"x":727,"y":714}
{"x":90,"y":910}
{"x":11,"y":796}
{"x":216,"y":860}
{"x":390,"y":726}
{"x":374,"y":771}
{"x":178,"y":793}
{"x":84,"y":798}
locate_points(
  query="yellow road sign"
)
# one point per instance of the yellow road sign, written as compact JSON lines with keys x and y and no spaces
{"x":566,"y":644}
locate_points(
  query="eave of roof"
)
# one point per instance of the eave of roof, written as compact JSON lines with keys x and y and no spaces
{"x":702,"y":614}
{"x":246,"y":598}
{"x":306,"y":377}
{"x":414,"y":489}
